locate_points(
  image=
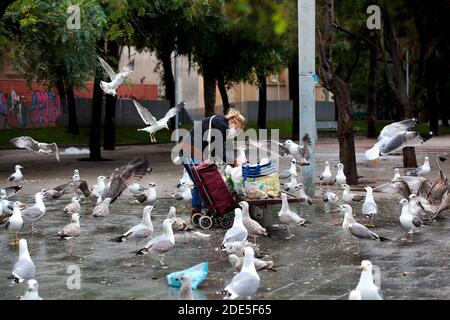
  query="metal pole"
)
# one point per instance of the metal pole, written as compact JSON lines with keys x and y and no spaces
{"x":407,"y":72}
{"x":177,"y":97}
{"x":306,"y":59}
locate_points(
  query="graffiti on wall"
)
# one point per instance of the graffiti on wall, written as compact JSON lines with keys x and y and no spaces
{"x":43,"y":111}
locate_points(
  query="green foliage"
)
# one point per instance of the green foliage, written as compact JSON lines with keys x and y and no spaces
{"x":46,"y":50}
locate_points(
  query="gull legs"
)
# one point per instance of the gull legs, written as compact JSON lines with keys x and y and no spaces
{"x":15,"y":239}
{"x":33,"y":229}
{"x":152,"y":137}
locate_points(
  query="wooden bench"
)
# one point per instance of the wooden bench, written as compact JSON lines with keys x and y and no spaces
{"x":265,"y":206}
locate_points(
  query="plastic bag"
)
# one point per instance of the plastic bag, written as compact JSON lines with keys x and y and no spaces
{"x":197,"y":273}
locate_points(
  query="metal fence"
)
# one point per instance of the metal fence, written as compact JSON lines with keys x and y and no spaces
{"x":46,"y":111}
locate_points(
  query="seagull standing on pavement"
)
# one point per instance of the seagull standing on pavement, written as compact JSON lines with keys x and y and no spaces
{"x":292,"y":171}
{"x":340,"y":176}
{"x":140,"y":231}
{"x":422,"y":170}
{"x":409,"y":222}
{"x":287,"y":216}
{"x":326,"y":176}
{"x":369,"y":207}
{"x":17,"y":175}
{"x":32,"y":291}
{"x":237,"y":232}
{"x":149,"y":196}
{"x":348,"y":196}
{"x":24,"y":267}
{"x":253,"y":227}
{"x":15,"y":222}
{"x":73,"y":206}
{"x":34,"y":212}
{"x":71,"y":230}
{"x":366,"y":287}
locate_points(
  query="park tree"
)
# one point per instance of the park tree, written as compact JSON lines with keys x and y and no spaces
{"x":48,"y":51}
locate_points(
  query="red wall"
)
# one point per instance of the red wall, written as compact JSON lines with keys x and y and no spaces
{"x":140,"y":91}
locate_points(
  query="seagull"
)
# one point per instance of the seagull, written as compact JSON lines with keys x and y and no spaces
{"x":97,"y":189}
{"x":366,"y":287}
{"x":178,"y":223}
{"x":140,"y":231}
{"x":347,"y":196}
{"x":237,"y":262}
{"x":254,"y":229}
{"x":438,"y":188}
{"x":149,"y":197}
{"x":136,"y":188}
{"x":73,"y":206}
{"x":241,"y":157}
{"x":287,"y":216}
{"x":422,"y":170}
{"x":32,"y":291}
{"x":292,"y":171}
{"x":17,"y":175}
{"x":246,"y":282}
{"x":396,"y":136}
{"x":396,"y":174}
{"x":398,"y":186}
{"x":185,"y":178}
{"x":116,"y":79}
{"x":10,"y":191}
{"x":162,"y":243}
{"x":24,"y":267}
{"x":76,"y":175}
{"x":326,"y":176}
{"x":356,"y":229}
{"x":26,"y":142}
{"x":184,"y":194}
{"x":414,"y":207}
{"x":445,"y":204}
{"x":121,"y":179}
{"x":15,"y":222}
{"x":186,"y":288}
{"x":34,"y":212}
{"x":292,"y":185}
{"x":329,"y":197}
{"x":67,"y":188}
{"x":354,"y":295}
{"x":6,"y":205}
{"x":340,"y":176}
{"x":300,"y":153}
{"x":409,"y":222}
{"x":237,"y":248}
{"x":237,"y":232}
{"x":302,"y":194}
{"x":153,"y":124}
{"x":71,"y":230}
{"x":369,"y":207}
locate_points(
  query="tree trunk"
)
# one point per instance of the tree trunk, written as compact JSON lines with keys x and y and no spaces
{"x":223,"y":93}
{"x":372,"y":92}
{"x":442,"y":77}
{"x":294,"y":96}
{"x":62,"y":95}
{"x":262,"y":102}
{"x":96,"y":121}
{"x":209,"y":91}
{"x":431,"y":94}
{"x":109,"y":135}
{"x":409,"y":157}
{"x":169,"y":81}
{"x":333,"y":83}
{"x":73,"y":122}
{"x":345,"y":131}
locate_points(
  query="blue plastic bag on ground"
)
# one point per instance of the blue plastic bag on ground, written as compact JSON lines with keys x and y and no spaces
{"x":197,"y":273}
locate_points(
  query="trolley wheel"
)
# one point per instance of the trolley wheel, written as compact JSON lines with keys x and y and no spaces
{"x":226,"y":221}
{"x":195,"y":218}
{"x":205,"y":222}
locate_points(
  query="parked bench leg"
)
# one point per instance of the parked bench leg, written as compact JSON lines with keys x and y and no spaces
{"x":268,"y":216}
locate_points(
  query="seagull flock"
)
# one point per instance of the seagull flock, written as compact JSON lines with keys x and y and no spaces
{"x":420,"y":200}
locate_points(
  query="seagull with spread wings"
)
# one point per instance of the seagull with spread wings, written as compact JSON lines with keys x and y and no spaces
{"x":26,"y":142}
{"x":121,"y":179}
{"x":116,"y":78}
{"x":154,"y":125}
{"x":395,"y":136}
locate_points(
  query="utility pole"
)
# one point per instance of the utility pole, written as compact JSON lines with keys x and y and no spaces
{"x":177,"y":87}
{"x":306,"y":66}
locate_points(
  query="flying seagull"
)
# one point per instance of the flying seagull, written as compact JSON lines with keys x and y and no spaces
{"x":154,"y":125}
{"x":116,"y":78}
{"x":396,"y":136}
{"x":26,"y":142}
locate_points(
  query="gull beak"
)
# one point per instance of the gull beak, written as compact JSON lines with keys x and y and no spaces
{"x":361,"y":268}
{"x":22,"y":206}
